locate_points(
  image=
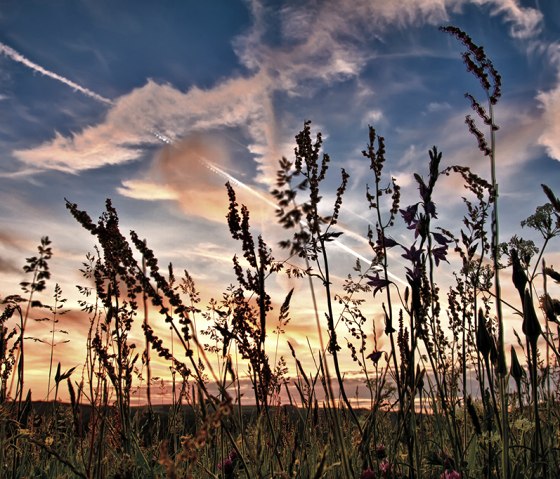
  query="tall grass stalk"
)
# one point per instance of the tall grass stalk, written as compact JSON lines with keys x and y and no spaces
{"x":437,"y":394}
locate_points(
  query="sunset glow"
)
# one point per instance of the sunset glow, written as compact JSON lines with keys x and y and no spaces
{"x":157,"y":107}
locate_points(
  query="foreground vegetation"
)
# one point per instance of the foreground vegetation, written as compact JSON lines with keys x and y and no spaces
{"x":445,"y":399}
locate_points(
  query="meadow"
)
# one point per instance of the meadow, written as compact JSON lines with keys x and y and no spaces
{"x":448,"y":398}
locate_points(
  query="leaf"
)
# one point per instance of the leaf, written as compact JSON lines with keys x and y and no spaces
{"x":387,"y":242}
{"x":441,"y":239}
{"x":331,"y":236}
{"x":65,"y":375}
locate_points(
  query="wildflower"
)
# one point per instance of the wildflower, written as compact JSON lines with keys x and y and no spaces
{"x":367,"y":474}
{"x":380,"y":451}
{"x":409,"y":216}
{"x":228,"y":465}
{"x":385,"y":467}
{"x":378,"y":283}
{"x":375,"y":356}
{"x":440,"y":254}
{"x":200,"y":440}
{"x":450,"y":474}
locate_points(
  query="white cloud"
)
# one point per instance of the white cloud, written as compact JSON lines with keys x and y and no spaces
{"x":550,"y":103}
{"x":372,"y":117}
{"x":321,"y":43}
{"x":525,"y":21}
{"x":550,"y":137}
{"x":146,"y":190}
{"x":438,"y":106}
{"x":129,"y":123}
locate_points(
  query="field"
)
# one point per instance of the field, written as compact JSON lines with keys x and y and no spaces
{"x":447,"y":399}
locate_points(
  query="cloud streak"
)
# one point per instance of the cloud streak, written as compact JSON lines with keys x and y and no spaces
{"x":19,"y":58}
{"x":335,"y":47}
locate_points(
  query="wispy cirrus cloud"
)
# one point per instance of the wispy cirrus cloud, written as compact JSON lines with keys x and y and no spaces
{"x":550,"y":103}
{"x":525,"y":21}
{"x":317,"y":45}
{"x":129,"y":124}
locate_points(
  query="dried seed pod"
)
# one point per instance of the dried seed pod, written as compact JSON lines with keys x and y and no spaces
{"x":551,"y":307}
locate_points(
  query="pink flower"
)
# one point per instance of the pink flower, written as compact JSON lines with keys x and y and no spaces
{"x":385,"y":467}
{"x":450,"y":474}
{"x":367,"y":474}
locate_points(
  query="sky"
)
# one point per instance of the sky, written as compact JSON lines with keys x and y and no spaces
{"x":157,"y":104}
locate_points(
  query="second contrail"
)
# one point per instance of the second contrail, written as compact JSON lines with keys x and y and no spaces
{"x":19,"y":58}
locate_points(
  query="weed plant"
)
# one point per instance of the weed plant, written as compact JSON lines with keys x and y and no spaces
{"x":443,"y":400}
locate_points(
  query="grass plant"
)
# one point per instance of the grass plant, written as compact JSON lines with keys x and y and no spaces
{"x":442,"y":400}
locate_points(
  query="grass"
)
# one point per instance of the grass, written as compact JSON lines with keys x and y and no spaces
{"x":443,"y":399}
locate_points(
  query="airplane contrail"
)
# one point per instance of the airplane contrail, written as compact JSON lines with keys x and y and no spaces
{"x":19,"y":58}
{"x":215,"y":169}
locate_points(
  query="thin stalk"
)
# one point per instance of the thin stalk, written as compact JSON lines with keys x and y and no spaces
{"x":52,"y":347}
{"x":502,"y":368}
{"x":333,"y":342}
{"x":147,"y":343}
{"x":325,"y":367}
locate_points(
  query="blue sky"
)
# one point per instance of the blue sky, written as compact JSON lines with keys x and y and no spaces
{"x":88,"y":89}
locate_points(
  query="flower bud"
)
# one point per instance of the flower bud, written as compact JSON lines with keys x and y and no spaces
{"x":516,"y":370}
{"x":484,"y":341}
{"x":518,"y":276}
{"x":531,"y":326}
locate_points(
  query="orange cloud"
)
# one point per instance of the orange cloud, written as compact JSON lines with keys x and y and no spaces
{"x":182,"y":172}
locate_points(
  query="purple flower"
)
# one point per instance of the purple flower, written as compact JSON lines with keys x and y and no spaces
{"x":368,"y":474}
{"x":385,"y":467}
{"x":375,"y":356}
{"x":450,"y":474}
{"x":412,"y":254}
{"x":228,"y":465}
{"x":440,"y":254}
{"x":377,"y":283}
{"x":409,"y":215}
{"x":380,"y":451}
